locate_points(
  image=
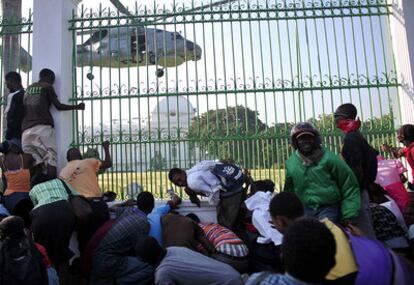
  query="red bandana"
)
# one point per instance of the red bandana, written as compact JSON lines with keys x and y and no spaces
{"x":349,"y":125}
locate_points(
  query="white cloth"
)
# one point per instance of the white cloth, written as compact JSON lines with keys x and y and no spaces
{"x":9,"y":100}
{"x":200,"y":179}
{"x":259,"y":204}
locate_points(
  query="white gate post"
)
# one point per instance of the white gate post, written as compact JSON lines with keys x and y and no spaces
{"x":402,"y":34}
{"x":52,"y":48}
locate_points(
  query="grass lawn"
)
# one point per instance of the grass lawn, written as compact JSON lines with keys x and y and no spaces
{"x":124,"y":183}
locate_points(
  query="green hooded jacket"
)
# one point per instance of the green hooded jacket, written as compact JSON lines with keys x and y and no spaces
{"x":328,"y":181}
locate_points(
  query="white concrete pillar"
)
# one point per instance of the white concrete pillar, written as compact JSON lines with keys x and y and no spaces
{"x":52,"y":48}
{"x":402,"y":34}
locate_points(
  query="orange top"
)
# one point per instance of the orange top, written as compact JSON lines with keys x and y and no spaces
{"x":81,"y":175}
{"x":17,"y":180}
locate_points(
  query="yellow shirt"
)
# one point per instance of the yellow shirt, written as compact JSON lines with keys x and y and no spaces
{"x":344,"y":257}
{"x":81,"y":175}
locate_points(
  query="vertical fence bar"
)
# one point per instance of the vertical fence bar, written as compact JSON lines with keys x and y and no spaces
{"x":248,"y":88}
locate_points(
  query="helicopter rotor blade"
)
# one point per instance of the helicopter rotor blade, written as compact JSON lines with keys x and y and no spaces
{"x":121,"y":8}
{"x":96,"y":37}
{"x":202,"y":7}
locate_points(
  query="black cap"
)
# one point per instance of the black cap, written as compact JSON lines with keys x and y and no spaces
{"x":348,"y":111}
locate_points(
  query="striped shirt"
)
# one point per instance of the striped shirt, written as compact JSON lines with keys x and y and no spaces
{"x":219,"y":235}
{"x":224,"y":240}
{"x":110,"y":256}
{"x":274,"y":279}
{"x":49,"y":192}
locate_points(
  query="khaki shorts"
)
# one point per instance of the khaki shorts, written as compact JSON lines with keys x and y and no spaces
{"x":40,"y":142}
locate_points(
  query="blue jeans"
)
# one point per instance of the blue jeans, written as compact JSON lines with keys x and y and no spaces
{"x":135,"y":272}
{"x":52,"y":276}
{"x":332,"y":212}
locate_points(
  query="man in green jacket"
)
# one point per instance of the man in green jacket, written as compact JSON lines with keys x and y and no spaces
{"x":323,"y":182}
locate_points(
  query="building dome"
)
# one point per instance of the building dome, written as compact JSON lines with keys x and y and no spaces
{"x":171,"y":113}
{"x":174,"y":106}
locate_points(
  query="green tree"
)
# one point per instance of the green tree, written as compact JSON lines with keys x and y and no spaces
{"x":234,"y":132}
{"x":158,"y":162}
{"x":380,"y":130}
{"x":278,"y":142}
{"x":238,"y":133}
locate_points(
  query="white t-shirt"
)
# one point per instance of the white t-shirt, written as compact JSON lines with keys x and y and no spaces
{"x":9,"y":100}
{"x":200,"y":179}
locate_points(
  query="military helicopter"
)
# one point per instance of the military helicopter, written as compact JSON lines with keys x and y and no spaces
{"x":136,"y":45}
{"x":129,"y":46}
{"x":133,"y":45}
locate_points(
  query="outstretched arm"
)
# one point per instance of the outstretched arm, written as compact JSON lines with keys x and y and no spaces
{"x":60,"y":106}
{"x":397,"y":152}
{"x":193,"y":196}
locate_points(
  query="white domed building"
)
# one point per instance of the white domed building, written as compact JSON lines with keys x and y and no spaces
{"x":172,"y":113}
{"x":169,"y":124}
{"x":163,"y":142}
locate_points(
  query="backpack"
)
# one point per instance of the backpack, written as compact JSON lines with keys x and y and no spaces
{"x":21,"y":263}
{"x":365,"y":251}
{"x":230,"y":176}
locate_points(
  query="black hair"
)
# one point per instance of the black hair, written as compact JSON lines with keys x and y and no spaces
{"x":12,"y":147}
{"x":38,"y":178}
{"x":13,"y":76}
{"x":377,"y":193}
{"x":69,"y":152}
{"x":3,"y":216}
{"x":193,"y":217}
{"x":308,"y":250}
{"x":46,"y":73}
{"x":109,"y":196}
{"x":348,"y":111}
{"x":12,"y":227}
{"x":286,"y":204}
{"x":145,"y":202}
{"x":263,"y":185}
{"x":174,"y":171}
{"x":407,"y":131}
{"x":149,"y":250}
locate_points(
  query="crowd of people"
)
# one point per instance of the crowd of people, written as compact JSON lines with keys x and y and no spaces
{"x":345,"y":219}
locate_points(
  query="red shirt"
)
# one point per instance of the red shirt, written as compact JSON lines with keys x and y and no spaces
{"x":409,"y":155}
{"x":45,"y":257}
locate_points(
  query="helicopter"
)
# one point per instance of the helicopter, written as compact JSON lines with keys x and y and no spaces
{"x":134,"y":45}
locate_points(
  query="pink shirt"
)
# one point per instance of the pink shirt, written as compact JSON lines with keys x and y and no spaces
{"x":388,"y":177}
{"x":389,"y":171}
